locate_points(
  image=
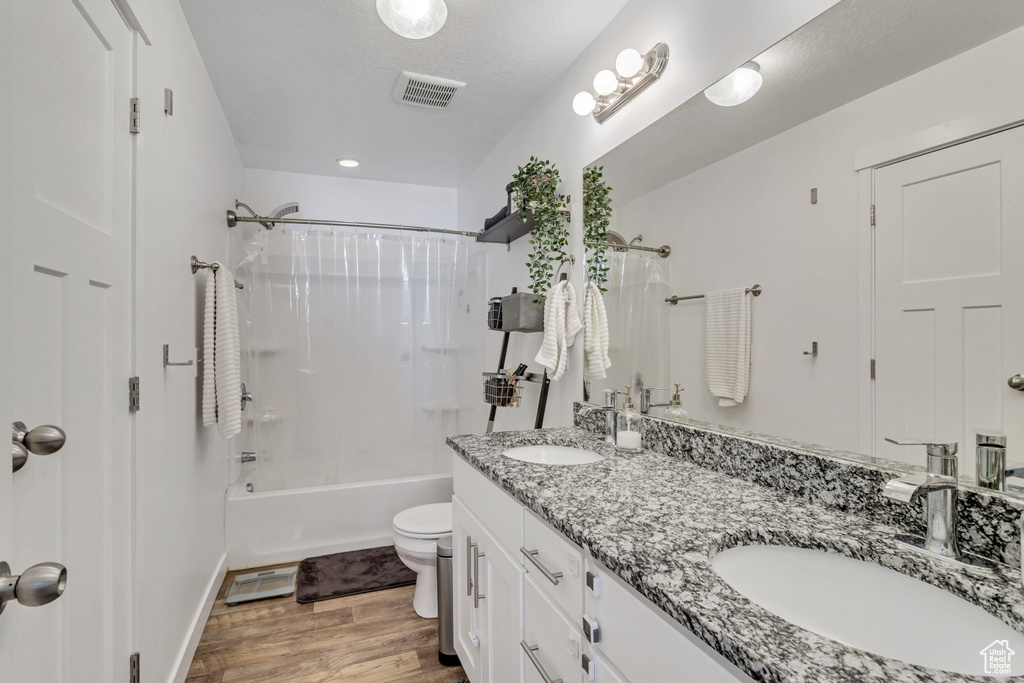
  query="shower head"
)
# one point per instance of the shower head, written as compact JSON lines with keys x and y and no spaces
{"x":279,"y":212}
{"x":636,"y":240}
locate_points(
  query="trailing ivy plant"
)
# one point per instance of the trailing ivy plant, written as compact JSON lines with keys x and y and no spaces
{"x":536,"y":187}
{"x":597,"y":214}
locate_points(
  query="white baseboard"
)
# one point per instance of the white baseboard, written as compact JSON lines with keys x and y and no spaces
{"x":188,"y":649}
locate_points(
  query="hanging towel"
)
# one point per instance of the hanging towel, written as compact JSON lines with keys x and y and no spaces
{"x":222,"y":377}
{"x":595,"y":339}
{"x":728,"y":345}
{"x":561,"y":325}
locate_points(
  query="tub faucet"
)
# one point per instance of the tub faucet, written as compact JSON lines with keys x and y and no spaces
{"x":610,"y":396}
{"x":940,"y":485}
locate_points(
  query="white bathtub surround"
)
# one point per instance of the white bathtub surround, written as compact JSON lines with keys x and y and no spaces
{"x":595,"y":335}
{"x":222,"y":378}
{"x":728,"y":345}
{"x":271,"y":527}
{"x":561,"y":325}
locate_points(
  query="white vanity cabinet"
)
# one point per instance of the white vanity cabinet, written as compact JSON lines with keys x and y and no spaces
{"x":517,"y":580}
{"x":487,"y":593}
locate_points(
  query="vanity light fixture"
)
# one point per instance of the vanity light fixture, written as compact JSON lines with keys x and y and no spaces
{"x":635,"y":73}
{"x":348,"y":163}
{"x":413,"y":19}
{"x":737,"y":87}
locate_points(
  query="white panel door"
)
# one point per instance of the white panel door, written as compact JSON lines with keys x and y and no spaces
{"x":68,"y":254}
{"x":949,"y":297}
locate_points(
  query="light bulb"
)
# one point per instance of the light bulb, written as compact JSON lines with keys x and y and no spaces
{"x":348,"y":163}
{"x":606,"y":82}
{"x":737,"y":87}
{"x":629,"y":62}
{"x":413,"y":18}
{"x":583,"y":103}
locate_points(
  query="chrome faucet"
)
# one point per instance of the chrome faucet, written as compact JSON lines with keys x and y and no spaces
{"x":991,"y":468}
{"x":610,"y":397}
{"x":940,"y":484}
{"x":645,"y":400}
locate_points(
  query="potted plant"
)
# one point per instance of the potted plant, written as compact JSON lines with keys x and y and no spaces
{"x":597,"y":213}
{"x":536,"y":191}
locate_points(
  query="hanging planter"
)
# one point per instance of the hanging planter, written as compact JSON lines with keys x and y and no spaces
{"x":536,"y":191}
{"x":597,"y":214}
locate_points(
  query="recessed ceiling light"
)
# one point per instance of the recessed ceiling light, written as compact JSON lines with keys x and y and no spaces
{"x":348,"y":163}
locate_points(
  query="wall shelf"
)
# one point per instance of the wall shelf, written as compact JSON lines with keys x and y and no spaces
{"x":508,"y":230}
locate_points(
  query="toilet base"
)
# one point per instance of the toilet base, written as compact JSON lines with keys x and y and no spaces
{"x":424,"y":600}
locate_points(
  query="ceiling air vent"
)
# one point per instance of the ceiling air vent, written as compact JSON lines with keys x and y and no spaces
{"x":427,"y":91}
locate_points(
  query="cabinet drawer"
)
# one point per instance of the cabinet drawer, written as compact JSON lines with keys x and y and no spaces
{"x":498,"y":511}
{"x":555,"y":554}
{"x":643,"y":642}
{"x":559,"y":643}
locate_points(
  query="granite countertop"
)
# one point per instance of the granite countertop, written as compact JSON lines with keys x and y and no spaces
{"x":657,"y":520}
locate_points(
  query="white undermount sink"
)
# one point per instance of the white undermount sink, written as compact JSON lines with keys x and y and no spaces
{"x":868,"y":606}
{"x":553,"y":455}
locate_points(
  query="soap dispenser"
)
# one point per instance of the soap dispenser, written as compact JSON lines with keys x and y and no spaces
{"x":675,"y":410}
{"x":627,"y":427}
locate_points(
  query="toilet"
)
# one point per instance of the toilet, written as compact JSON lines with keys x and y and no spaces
{"x":415,"y":532}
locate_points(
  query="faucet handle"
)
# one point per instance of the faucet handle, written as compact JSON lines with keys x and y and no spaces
{"x":937,"y":449}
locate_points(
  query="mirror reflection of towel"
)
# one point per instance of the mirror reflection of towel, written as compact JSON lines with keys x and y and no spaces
{"x":728,"y":345}
{"x":595,"y":337}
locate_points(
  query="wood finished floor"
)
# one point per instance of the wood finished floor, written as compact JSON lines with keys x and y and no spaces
{"x":369,"y":638}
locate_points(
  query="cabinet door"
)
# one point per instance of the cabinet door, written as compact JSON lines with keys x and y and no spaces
{"x":504,"y":655}
{"x":470,"y":622}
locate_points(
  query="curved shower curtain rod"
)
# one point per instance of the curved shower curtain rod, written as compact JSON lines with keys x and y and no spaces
{"x":234,"y":219}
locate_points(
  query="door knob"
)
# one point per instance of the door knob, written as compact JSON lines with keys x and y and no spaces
{"x":43,"y":440}
{"x":38,"y":585}
{"x":1016,"y":382}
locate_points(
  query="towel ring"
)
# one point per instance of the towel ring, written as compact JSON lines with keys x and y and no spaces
{"x":571,"y":260}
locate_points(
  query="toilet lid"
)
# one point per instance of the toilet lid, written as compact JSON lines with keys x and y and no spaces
{"x":425,"y":519}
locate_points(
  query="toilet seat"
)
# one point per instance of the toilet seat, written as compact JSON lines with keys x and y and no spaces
{"x":424,"y":521}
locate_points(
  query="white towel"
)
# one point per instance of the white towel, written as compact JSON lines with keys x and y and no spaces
{"x":561,"y":325}
{"x":728,"y":345}
{"x":595,"y":339}
{"x":222,"y":376}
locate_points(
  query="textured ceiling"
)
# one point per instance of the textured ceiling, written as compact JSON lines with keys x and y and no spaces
{"x":854,"y":48}
{"x":304,"y":82}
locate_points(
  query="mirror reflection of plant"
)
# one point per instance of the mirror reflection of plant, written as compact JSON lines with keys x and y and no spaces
{"x":597,"y":214}
{"x":536,"y":187}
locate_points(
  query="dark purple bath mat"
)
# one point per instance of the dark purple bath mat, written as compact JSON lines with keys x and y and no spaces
{"x":351,"y":573}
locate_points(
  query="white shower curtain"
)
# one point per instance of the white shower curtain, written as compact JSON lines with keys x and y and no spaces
{"x":638,"y":325}
{"x":352,"y":341}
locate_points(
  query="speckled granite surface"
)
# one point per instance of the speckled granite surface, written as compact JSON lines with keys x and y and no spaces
{"x":843,"y":480}
{"x":656,"y":520}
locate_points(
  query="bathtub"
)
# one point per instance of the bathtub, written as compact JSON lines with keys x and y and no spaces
{"x":274,"y":527}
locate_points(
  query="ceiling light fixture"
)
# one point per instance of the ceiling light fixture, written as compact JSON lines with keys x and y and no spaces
{"x":348,"y":163}
{"x":413,"y":18}
{"x":737,"y":87}
{"x":636,"y":73}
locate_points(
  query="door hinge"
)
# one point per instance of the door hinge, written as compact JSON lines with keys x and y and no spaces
{"x":133,"y":669}
{"x":133,"y":117}
{"x":872,"y":215}
{"x":133,"y":394}
{"x":872,"y":368}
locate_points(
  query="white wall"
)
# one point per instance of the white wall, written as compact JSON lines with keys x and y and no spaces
{"x":707,"y":39}
{"x":749,"y":219}
{"x":189,"y":174}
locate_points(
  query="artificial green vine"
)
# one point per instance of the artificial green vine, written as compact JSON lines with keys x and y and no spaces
{"x":536,"y":186}
{"x":597,"y":214}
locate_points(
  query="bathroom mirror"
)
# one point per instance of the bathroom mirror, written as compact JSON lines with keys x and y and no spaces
{"x":768,"y":193}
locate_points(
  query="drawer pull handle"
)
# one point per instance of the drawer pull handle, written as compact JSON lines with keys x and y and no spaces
{"x":469,"y":564}
{"x":530,"y":555}
{"x":476,"y":577}
{"x":529,"y":650}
